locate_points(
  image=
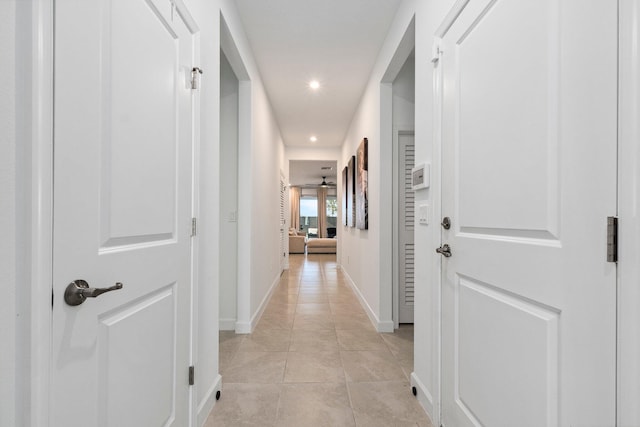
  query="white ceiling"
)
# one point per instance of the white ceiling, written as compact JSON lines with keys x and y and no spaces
{"x":333,"y":41}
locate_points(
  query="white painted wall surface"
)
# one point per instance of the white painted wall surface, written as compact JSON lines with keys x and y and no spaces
{"x":404,"y":96}
{"x":261,"y":158}
{"x":266,"y":163}
{"x":229,"y":93}
{"x":8,"y":394}
{"x":362,"y":249}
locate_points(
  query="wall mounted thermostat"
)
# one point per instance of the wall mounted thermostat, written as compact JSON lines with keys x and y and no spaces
{"x":420,"y":176}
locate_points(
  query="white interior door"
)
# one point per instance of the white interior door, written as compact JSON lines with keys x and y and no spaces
{"x":406,"y":225}
{"x":122,"y":212}
{"x":529,"y":178}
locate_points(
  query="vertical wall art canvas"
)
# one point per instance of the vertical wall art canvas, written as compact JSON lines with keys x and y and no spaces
{"x":345,"y":205}
{"x":362,"y":164}
{"x":351,"y":192}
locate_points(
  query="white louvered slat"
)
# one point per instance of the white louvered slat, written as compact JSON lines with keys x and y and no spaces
{"x":406,"y":222}
{"x":409,"y":257}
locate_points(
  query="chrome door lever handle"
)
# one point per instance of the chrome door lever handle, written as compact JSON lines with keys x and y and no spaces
{"x":444,"y":250}
{"x":78,"y":291}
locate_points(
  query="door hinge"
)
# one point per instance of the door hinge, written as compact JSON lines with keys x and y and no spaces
{"x":192,"y":375}
{"x":52,"y":298}
{"x":195,"y":77}
{"x":612,"y":239}
{"x":194,"y":226}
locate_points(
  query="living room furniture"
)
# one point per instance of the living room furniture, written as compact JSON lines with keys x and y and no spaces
{"x":297,"y":242}
{"x":322,"y":246}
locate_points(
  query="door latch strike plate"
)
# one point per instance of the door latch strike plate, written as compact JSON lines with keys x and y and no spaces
{"x":192,"y":375}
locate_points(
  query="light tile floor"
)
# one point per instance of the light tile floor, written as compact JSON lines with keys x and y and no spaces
{"x":316,"y":360}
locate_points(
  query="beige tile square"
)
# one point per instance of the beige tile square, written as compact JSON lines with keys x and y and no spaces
{"x":267,"y":340}
{"x":347,"y":308}
{"x":315,"y":298}
{"x":275,"y":321}
{"x":256,"y":367}
{"x":320,"y":366}
{"x":284,"y":298}
{"x":360,"y":322}
{"x":313,"y":340}
{"x":245,"y":405}
{"x":277,"y":308}
{"x":230,"y":341}
{"x":363,"y":366}
{"x":400,"y":344}
{"x":314,"y":308}
{"x":359,"y":339}
{"x":314,"y":404}
{"x":383,"y":404}
{"x":313,"y":321}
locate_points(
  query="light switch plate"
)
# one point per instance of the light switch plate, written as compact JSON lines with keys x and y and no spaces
{"x":423,"y":214}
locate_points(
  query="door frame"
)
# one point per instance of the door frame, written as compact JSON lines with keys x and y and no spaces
{"x":41,"y":215}
{"x":628,"y":365}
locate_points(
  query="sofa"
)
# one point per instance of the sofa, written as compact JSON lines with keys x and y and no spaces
{"x":322,"y":246}
{"x":297,"y":242}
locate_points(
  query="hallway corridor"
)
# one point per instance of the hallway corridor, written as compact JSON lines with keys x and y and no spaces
{"x":316,"y":360}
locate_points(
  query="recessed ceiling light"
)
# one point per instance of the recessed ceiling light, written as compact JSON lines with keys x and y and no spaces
{"x":314,"y":84}
{"x":313,"y":139}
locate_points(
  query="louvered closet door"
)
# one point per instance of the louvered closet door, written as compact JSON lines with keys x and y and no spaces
{"x":406,"y":217}
{"x":283,"y":234}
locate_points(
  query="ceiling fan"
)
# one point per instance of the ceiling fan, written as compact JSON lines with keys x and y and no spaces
{"x":323,"y":184}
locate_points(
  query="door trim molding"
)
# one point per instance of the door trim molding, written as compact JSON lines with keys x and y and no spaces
{"x":41,"y":215}
{"x":628,"y":344}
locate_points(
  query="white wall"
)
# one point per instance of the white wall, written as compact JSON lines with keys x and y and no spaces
{"x":403,"y":90}
{"x":229,"y":93}
{"x":8,"y":393}
{"x":266,"y":163}
{"x":261,"y":154}
{"x":261,"y":158}
{"x":363,"y":248}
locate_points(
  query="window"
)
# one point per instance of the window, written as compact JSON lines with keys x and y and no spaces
{"x":332,"y":211}
{"x":309,"y":215}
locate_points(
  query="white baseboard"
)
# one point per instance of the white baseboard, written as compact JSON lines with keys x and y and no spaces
{"x":381,"y":326}
{"x":208,"y":402}
{"x":265,"y":301}
{"x":243,"y":328}
{"x":424,"y":398}
{"x":227,"y":324}
{"x":248,"y":327}
{"x":386,"y":326}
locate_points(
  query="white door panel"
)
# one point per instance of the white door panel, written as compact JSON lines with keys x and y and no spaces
{"x":122,"y":210}
{"x":529,"y":168}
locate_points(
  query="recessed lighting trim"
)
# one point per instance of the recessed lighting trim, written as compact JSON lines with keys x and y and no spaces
{"x":313,"y":139}
{"x":314,"y":84}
